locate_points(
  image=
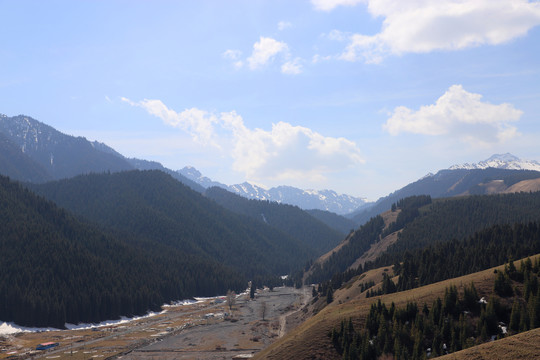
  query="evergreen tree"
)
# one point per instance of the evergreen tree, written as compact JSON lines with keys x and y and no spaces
{"x":329,"y":295}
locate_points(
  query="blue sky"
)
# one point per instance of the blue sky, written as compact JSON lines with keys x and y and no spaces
{"x":358,"y":96}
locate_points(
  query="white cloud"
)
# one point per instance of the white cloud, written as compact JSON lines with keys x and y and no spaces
{"x":264,"y":51}
{"x":327,"y":5}
{"x":421,"y":26}
{"x":282,"y":25}
{"x":286,"y":152}
{"x":198,"y":123}
{"x":319,"y":58}
{"x":232,"y":54}
{"x":460,"y":114}
{"x":337,"y":35}
{"x":292,"y":67}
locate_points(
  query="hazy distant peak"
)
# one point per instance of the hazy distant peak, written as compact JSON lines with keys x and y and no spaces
{"x":327,"y":200}
{"x":195,"y":175}
{"x":504,"y":157}
{"x":501,"y":161}
{"x":428,"y":175}
{"x":191,"y":171}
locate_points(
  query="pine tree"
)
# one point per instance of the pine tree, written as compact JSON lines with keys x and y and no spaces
{"x":329,"y":295}
{"x":515,"y":316}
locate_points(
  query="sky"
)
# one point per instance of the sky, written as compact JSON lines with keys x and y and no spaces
{"x":358,"y":96}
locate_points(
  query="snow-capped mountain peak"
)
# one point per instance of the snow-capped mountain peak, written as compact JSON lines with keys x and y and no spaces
{"x":501,"y":161}
{"x":306,"y":199}
{"x":195,"y":175}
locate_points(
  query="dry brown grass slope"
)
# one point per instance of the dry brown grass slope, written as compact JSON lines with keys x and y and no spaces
{"x":375,"y":250}
{"x":525,"y":186}
{"x":310,"y":340}
{"x":521,"y":346}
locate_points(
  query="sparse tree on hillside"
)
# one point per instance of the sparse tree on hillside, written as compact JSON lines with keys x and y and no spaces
{"x":263,"y":309}
{"x":252,"y":291}
{"x":329,"y":295}
{"x":231,"y":299}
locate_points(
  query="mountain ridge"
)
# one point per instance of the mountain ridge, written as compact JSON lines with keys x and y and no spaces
{"x":327,"y":200}
{"x":501,"y":161}
{"x":465,"y":179}
{"x":59,"y":154}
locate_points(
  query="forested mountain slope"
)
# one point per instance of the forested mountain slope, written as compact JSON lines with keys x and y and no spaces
{"x":56,"y":269}
{"x":153,"y":205}
{"x":17,"y":165}
{"x":59,"y":154}
{"x":140,"y":164}
{"x":335,"y":221}
{"x":447,"y":183}
{"x":289,"y":219}
{"x":422,"y":222}
{"x":458,"y":218}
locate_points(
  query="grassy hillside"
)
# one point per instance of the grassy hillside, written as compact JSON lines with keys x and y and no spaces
{"x":311,"y":339}
{"x":521,"y":346}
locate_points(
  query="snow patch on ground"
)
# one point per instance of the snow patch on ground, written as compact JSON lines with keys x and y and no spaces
{"x":8,"y":328}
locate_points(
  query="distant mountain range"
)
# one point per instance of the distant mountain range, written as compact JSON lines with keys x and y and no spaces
{"x":327,"y":200}
{"x":31,"y":151}
{"x":58,"y":155}
{"x":498,"y":174}
{"x":501,"y":161}
{"x":35,"y":152}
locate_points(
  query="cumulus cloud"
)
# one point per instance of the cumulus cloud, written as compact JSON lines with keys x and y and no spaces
{"x":460,"y":114}
{"x":234,"y":55}
{"x":264,"y":51}
{"x":421,"y":26}
{"x":327,"y":5}
{"x":286,"y":152}
{"x":282,"y":25}
{"x":319,"y":58}
{"x":292,"y":67}
{"x":198,"y":123}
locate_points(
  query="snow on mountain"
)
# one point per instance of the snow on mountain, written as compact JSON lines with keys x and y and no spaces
{"x":501,"y":161}
{"x":195,"y":175}
{"x":60,"y":155}
{"x":327,"y":200}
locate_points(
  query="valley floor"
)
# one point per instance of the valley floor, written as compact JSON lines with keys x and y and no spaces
{"x":198,"y":331}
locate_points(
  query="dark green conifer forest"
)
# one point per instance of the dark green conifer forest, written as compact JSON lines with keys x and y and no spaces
{"x":56,"y":269}
{"x":127,"y":243}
